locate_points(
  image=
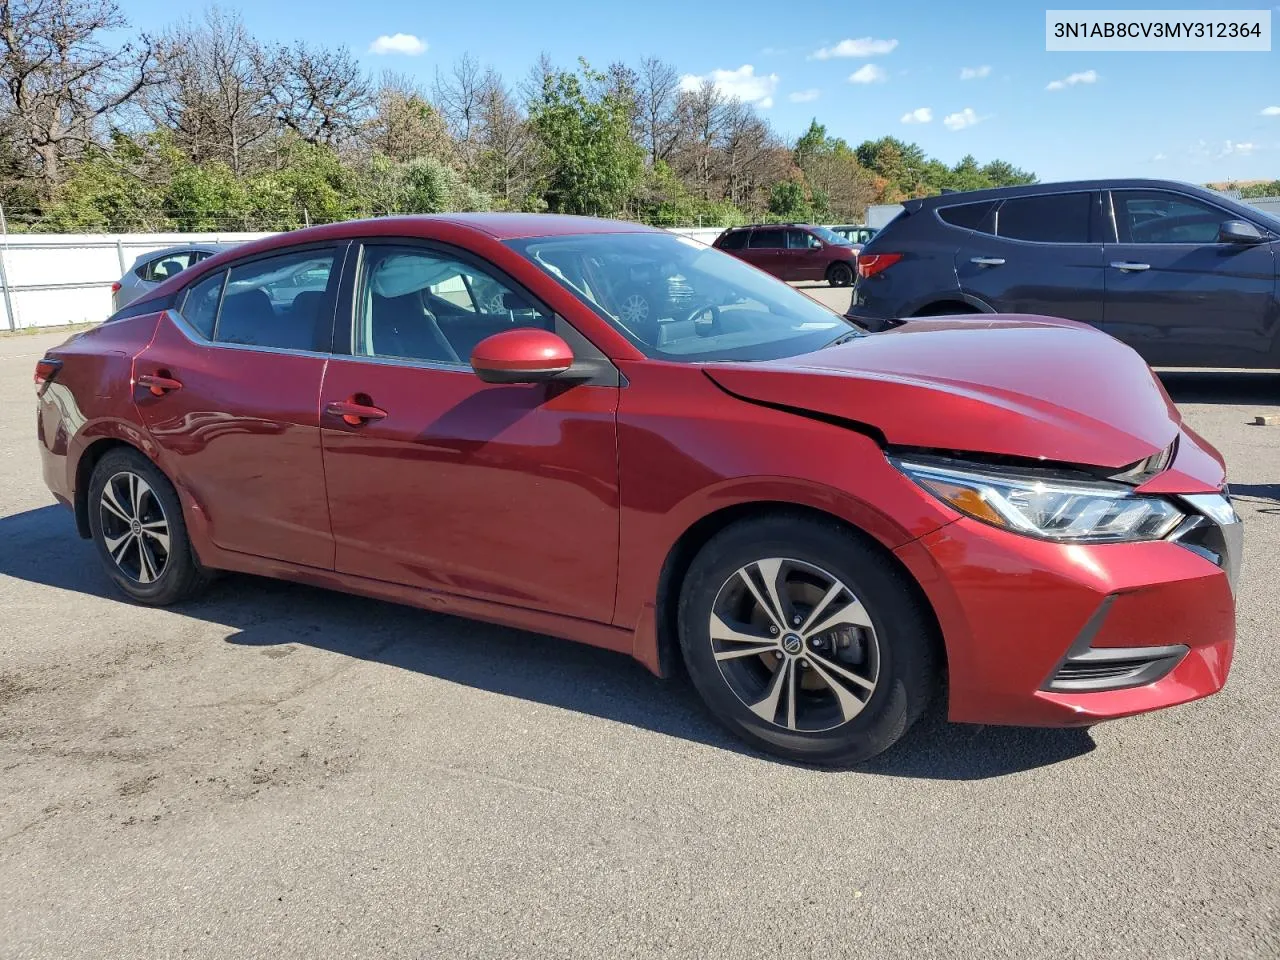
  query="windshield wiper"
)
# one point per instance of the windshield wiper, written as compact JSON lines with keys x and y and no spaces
{"x":845,"y":338}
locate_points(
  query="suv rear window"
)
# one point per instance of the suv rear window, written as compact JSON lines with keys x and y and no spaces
{"x":734,"y":241}
{"x":969,"y":216}
{"x":1054,"y":218}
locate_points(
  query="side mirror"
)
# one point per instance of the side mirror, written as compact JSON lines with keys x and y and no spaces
{"x":526,"y":355}
{"x":1239,"y":231}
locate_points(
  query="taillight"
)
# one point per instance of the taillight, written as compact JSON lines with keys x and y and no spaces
{"x":115,"y":287}
{"x":46,"y":370}
{"x":869,"y":264}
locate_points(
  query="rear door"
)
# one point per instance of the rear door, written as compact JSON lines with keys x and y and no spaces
{"x":229,"y":390}
{"x":1033,"y":254}
{"x":1177,"y":295}
{"x":765,"y":249}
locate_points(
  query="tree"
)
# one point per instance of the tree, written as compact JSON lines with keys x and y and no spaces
{"x":507,"y":165}
{"x":657,"y":88}
{"x":787,"y":201}
{"x":218,"y":91}
{"x":321,"y":95}
{"x":458,"y":95}
{"x":701,"y":114}
{"x":59,"y":82}
{"x":593,"y":166}
{"x":404,"y":125}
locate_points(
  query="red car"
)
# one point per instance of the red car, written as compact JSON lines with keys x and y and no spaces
{"x":794,"y":251}
{"x":829,"y":528}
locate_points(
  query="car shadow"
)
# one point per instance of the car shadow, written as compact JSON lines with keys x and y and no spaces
{"x":1222,"y":386}
{"x":40,"y":546}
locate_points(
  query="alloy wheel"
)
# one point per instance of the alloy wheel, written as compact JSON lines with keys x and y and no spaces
{"x":135,"y":530}
{"x":634,"y":309}
{"x":794,"y":644}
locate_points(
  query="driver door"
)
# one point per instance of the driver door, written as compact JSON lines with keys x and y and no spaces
{"x":1177,"y":295}
{"x":504,"y":493}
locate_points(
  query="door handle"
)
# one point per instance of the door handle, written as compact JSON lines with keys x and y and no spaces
{"x":988,"y":261}
{"x":158,"y":385}
{"x":1130,"y":267}
{"x":353,"y":414}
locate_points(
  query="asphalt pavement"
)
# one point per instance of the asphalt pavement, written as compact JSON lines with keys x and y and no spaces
{"x":275,"y":771}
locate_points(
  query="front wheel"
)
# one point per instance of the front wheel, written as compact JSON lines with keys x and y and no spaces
{"x":840,"y":275}
{"x":805,"y":641}
{"x":136,"y":521}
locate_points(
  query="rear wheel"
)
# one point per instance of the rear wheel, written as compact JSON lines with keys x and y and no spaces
{"x":136,"y":522}
{"x":805,"y":640}
{"x":840,"y":275}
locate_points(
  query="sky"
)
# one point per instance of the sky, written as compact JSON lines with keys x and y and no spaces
{"x":956,"y":78}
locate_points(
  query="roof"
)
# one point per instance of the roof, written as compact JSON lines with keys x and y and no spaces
{"x":499,"y":226}
{"x":1066,"y":186}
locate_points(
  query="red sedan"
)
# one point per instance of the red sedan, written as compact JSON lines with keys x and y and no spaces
{"x":829,"y":528}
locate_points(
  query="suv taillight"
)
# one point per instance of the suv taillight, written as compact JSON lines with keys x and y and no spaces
{"x":46,"y":369}
{"x":869,"y":264}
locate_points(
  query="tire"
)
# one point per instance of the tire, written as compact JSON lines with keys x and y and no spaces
{"x":166,"y":571}
{"x":840,"y":275}
{"x":810,"y":722}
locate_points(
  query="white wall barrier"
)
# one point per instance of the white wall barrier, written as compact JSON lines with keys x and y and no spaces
{"x":51,"y":280}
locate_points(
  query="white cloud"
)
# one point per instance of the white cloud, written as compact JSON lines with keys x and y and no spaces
{"x":975,"y":73}
{"x":965,"y":118}
{"x":741,"y":84}
{"x":918,"y":115}
{"x":405,"y":43}
{"x":1230,"y":147}
{"x":1087,"y":76}
{"x":863,"y":47}
{"x":1158,"y":157}
{"x":869,"y":74}
{"x":1271,"y":111}
{"x":805,"y":96}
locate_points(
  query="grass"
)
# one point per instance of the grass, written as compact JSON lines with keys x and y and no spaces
{"x":67,"y":328}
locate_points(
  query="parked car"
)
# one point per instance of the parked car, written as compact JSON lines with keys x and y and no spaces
{"x":1184,"y":275}
{"x":152,"y":269}
{"x":855,"y":233}
{"x":793,"y":251}
{"x":830,"y":528}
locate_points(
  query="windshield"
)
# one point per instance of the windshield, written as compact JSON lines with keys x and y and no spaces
{"x":676,"y":299}
{"x":830,"y":236}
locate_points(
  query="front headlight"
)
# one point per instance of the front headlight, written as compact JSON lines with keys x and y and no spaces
{"x":1066,"y":510}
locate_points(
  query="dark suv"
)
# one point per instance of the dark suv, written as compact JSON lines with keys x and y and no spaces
{"x":1185,"y":276}
{"x":794,"y":251}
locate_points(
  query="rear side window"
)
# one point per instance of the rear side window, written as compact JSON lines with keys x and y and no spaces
{"x":276,"y":301}
{"x":162,"y":268}
{"x":200,"y":307}
{"x":768,"y":239}
{"x":734,"y":241}
{"x":969,"y":216}
{"x":1056,"y":218}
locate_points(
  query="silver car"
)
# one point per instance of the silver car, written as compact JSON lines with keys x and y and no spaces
{"x":151,"y":269}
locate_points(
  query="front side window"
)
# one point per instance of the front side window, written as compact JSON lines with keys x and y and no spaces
{"x":801,"y":240}
{"x":676,"y":299}
{"x":418,"y":304}
{"x":1154,"y":216}
{"x":275,"y":302}
{"x":768,"y":239}
{"x":1054,"y":218}
{"x":200,"y":306}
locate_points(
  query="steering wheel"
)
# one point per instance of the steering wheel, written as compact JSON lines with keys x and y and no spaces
{"x":702,"y":326}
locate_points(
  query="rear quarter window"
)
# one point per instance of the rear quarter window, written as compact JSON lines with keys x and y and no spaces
{"x":970,"y":216}
{"x":734,"y":241}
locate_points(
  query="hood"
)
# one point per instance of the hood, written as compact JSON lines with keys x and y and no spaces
{"x":1021,"y":386}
